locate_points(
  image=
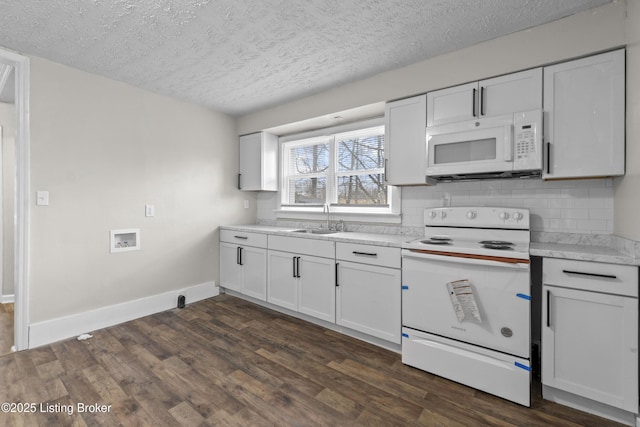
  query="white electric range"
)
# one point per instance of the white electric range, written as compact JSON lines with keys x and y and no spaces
{"x":466,"y":299}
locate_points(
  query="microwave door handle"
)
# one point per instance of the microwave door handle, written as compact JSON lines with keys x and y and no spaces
{"x":508,"y":143}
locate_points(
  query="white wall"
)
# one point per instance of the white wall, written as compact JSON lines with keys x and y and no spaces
{"x":7,"y":121}
{"x":103,"y":150}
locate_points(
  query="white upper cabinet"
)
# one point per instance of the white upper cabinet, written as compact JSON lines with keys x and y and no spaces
{"x":454,"y":104}
{"x":258,"y":162}
{"x":506,"y":94}
{"x":584,"y":103}
{"x":405,"y":156}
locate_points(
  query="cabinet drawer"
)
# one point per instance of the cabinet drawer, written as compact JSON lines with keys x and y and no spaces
{"x":303,"y":246}
{"x":369,"y":254}
{"x":257,"y":240}
{"x":591,"y":276}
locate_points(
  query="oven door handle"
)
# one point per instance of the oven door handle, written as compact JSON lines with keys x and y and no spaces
{"x":463,"y":260}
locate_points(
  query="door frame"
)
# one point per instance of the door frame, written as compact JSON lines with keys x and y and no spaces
{"x":21,"y":66}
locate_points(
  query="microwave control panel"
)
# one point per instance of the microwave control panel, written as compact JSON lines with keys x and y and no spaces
{"x":527,"y":140}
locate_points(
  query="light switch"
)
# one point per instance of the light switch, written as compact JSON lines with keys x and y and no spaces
{"x":149,"y":210}
{"x":246,"y":204}
{"x":42,"y":198}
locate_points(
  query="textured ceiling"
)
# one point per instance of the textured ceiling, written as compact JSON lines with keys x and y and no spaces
{"x":239,"y":56}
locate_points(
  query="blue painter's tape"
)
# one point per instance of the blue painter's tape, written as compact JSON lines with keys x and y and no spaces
{"x":520,"y":365}
{"x":524,"y":296}
{"x":405,"y":335}
{"x":404,"y":288}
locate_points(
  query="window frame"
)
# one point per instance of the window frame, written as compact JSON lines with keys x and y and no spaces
{"x":380,"y":214}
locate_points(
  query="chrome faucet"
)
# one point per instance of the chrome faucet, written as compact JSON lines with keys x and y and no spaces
{"x":325,"y":208}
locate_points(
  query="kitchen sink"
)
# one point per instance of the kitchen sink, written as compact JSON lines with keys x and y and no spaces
{"x":316,"y":231}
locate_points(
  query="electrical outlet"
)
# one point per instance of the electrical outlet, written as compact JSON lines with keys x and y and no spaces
{"x":149,"y":211}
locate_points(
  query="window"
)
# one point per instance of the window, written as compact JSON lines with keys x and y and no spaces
{"x":344,"y":170}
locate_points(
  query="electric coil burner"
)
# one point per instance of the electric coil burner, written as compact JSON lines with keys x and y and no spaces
{"x":497,"y":244}
{"x":466,"y":299}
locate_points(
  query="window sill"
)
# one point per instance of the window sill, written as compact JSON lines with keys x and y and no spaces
{"x":378,"y":218}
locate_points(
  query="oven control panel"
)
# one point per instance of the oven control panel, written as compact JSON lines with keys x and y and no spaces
{"x":478,"y":217}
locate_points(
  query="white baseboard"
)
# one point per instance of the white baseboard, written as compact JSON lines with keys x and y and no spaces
{"x":7,"y":299}
{"x":53,"y":330}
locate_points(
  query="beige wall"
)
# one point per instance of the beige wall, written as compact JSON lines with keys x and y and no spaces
{"x":627,"y":189}
{"x":7,"y":121}
{"x":103,"y":150}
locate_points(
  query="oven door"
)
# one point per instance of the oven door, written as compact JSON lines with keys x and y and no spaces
{"x":499,"y":290}
{"x":478,"y":146}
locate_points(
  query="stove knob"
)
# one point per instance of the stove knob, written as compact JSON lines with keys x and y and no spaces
{"x":504,"y":215}
{"x":432,"y":214}
{"x":443,"y":214}
{"x":517,"y":216}
{"x":471,"y":215}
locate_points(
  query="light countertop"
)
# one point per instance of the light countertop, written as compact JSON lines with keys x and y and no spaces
{"x":391,"y":240}
{"x":581,"y":252}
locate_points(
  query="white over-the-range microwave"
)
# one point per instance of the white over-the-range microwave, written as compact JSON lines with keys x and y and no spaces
{"x":492,"y":147}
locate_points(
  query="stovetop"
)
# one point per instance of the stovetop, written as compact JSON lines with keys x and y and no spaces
{"x":489,"y":231}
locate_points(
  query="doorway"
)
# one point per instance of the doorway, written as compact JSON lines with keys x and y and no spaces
{"x":16,"y":85}
{"x":7,"y":196}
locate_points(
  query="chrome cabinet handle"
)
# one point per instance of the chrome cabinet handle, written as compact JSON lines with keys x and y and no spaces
{"x":337,"y":264}
{"x":482,"y":100}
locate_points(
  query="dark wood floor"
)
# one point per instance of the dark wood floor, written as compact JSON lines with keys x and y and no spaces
{"x":6,"y":328}
{"x":227,"y":362}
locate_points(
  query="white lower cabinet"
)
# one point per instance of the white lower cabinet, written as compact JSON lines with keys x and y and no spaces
{"x":243,"y":267}
{"x":282,"y":283}
{"x":368,"y":300}
{"x":356,"y":286}
{"x":316,"y":293}
{"x":590,"y":335}
{"x":300,"y":280}
{"x":368,"y":290}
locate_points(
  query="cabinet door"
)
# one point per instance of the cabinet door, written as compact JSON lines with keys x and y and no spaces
{"x":317,"y":293}
{"x":254,"y":272}
{"x":404,"y":141}
{"x":368,"y":300}
{"x":282,"y":285}
{"x":230,"y":274}
{"x":590,"y":345}
{"x":454,"y":104}
{"x":585,"y":117}
{"x":250,"y":162}
{"x":511,"y":93}
{"x":258,"y":162}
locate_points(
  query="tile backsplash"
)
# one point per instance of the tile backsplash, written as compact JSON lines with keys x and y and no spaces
{"x":581,"y":206}
{"x":576,"y":206}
